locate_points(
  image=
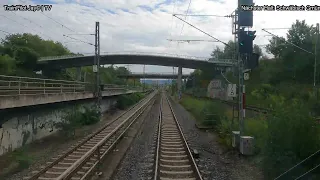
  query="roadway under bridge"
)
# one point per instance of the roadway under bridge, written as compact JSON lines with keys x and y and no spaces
{"x":152,"y":76}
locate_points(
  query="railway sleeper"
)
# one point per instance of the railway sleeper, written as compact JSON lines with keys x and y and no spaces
{"x":175,"y":168}
{"x":173,"y":152}
{"x":163,"y":144}
{"x":169,"y":141}
{"x":45,"y":178}
{"x":174,"y":162}
{"x":163,"y":178}
{"x":174,"y":157}
{"x":172,"y":149}
{"x":170,"y":138}
{"x":176,"y":174}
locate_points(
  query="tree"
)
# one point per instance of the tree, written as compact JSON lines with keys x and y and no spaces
{"x":26,"y":58}
{"x":297,"y":65}
{"x":276,"y":46}
{"x":257,"y":49}
{"x":25,"y":49}
{"x":227,"y":53}
{"x":7,"y":65}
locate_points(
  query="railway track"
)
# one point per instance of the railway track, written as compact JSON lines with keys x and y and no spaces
{"x":173,"y":158}
{"x":233,"y":103}
{"x":79,"y":162}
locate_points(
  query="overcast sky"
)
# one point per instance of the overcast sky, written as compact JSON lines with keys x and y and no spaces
{"x":145,"y":25}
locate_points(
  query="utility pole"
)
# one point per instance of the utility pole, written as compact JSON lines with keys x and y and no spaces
{"x":96,"y":66}
{"x":239,"y":59}
{"x":144,"y":77}
{"x":236,"y":57}
{"x":245,"y":44}
{"x":315,"y":60}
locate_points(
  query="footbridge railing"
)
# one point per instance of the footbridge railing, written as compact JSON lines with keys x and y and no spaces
{"x":15,"y":85}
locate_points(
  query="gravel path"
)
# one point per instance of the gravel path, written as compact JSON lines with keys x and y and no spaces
{"x":137,"y":163}
{"x":215,"y":162}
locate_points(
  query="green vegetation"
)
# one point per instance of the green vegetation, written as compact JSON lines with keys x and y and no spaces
{"x":14,"y":162}
{"x":211,"y":114}
{"x":125,"y":101}
{"x":77,"y":117}
{"x":282,"y":139}
{"x":289,"y":134}
{"x":19,"y":54}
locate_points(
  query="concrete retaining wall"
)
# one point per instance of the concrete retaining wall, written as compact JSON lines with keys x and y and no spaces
{"x":30,"y":100}
{"x":25,"y":125}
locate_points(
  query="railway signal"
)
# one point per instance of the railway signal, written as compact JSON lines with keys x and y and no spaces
{"x":246,"y":41}
{"x":245,"y":16}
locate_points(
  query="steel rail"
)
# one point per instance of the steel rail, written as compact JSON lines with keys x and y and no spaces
{"x":78,"y":164}
{"x":194,"y":165}
{"x":156,"y":160}
{"x":173,"y":156}
{"x":91,"y":170}
{"x":248,"y":107}
{"x":86,"y":139}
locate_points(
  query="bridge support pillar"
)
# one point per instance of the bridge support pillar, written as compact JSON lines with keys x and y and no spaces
{"x":78,"y":74}
{"x":179,"y":83}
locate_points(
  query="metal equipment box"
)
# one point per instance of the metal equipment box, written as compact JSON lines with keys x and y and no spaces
{"x":235,"y":139}
{"x":246,"y":145}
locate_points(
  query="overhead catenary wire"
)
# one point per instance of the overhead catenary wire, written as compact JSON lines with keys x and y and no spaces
{"x":203,"y":31}
{"x":276,"y":28}
{"x":64,"y":26}
{"x":202,"y":15}
{"x":32,"y":22}
{"x":288,"y":42}
{"x":24,"y":25}
{"x":187,"y":12}
{"x":5,"y":31}
{"x":307,"y":172}
{"x":191,"y":40}
{"x":78,"y":40}
{"x":297,"y":164}
{"x":174,"y":4}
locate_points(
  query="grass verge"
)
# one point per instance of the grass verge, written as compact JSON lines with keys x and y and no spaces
{"x":282,"y":139}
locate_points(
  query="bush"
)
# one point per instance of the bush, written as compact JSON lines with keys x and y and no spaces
{"x":89,"y":116}
{"x":257,"y":127}
{"x":282,"y":138}
{"x":211,"y":114}
{"x":125,"y":101}
{"x":77,"y":117}
{"x":292,"y":136}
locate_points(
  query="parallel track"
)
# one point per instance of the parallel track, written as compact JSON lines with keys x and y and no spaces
{"x":173,"y":158}
{"x":80,"y":161}
{"x":233,"y":103}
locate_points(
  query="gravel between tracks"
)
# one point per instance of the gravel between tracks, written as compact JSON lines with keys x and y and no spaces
{"x":137,"y":162}
{"x":215,"y":162}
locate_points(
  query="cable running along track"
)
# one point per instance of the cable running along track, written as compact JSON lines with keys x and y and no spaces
{"x":79,"y":162}
{"x":173,"y":160}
